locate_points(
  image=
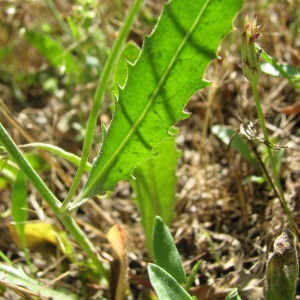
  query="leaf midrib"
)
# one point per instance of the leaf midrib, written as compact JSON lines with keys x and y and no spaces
{"x":147,"y":107}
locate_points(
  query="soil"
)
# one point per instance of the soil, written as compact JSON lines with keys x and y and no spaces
{"x":226,"y":222}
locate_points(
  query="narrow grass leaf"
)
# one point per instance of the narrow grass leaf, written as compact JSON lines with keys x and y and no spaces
{"x":192,"y":275}
{"x":73,"y":28}
{"x":169,"y":70}
{"x":8,"y":171}
{"x":238,"y":143}
{"x":19,"y":206}
{"x":52,"y":50}
{"x":165,"y":252}
{"x":17,"y":280}
{"x":166,"y":287}
{"x":233,"y":295}
{"x":272,"y":67}
{"x":155,"y":188}
{"x":4,"y":50}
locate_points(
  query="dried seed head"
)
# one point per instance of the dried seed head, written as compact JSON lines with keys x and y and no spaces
{"x":251,"y":29}
{"x":250,"y":58}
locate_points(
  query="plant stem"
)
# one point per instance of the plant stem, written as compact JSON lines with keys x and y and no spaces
{"x":263,"y":168}
{"x":271,"y":158}
{"x":59,"y":19}
{"x":103,"y":81}
{"x":74,"y":159}
{"x":191,"y":277}
{"x":50,"y":198}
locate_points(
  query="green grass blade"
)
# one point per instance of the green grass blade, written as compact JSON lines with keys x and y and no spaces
{"x":52,"y":50}
{"x":19,"y":210}
{"x":165,"y":252}
{"x":29,"y":288}
{"x":6,"y":259}
{"x":272,"y":67}
{"x":63,"y":25}
{"x":51,"y":199}
{"x":233,"y":295}
{"x":19,"y":205}
{"x":224,"y":134}
{"x":166,"y":287}
{"x":155,"y":187}
{"x":168,"y":71}
{"x":190,"y":279}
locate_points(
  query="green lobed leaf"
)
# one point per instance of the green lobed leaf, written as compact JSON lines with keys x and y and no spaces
{"x":169,"y":70}
{"x":155,"y":188}
{"x":165,"y":252}
{"x":166,"y":287}
{"x":130,"y":54}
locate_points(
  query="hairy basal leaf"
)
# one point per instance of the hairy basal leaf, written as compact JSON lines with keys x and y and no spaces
{"x":166,"y":287}
{"x":168,"y":71}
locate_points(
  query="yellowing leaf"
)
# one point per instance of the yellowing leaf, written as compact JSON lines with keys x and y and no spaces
{"x":36,"y":234}
{"x":118,"y":240}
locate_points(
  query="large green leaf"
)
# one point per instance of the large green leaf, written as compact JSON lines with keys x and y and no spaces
{"x":168,"y":71}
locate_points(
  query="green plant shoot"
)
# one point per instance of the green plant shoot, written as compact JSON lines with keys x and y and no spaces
{"x":282,"y":269}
